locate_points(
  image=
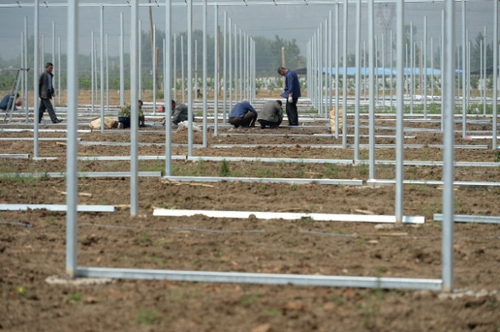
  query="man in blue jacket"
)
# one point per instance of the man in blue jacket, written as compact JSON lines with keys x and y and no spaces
{"x":291,"y":93}
{"x":7,"y":101}
{"x":243,"y":114}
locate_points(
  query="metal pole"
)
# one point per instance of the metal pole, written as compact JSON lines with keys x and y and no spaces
{"x":102,"y":67}
{"x":107,"y":72}
{"x":122,"y":65}
{"x":442,"y":67}
{"x":134,"y":114}
{"x":216,"y":68}
{"x":448,"y":142}
{"x":59,"y":71}
{"x":485,"y":64}
{"x":383,"y":71}
{"x":336,"y":70}
{"x":399,"y":112}
{"x":358,"y":80}
{"x":183,"y":88}
{"x":344,"y":78}
{"x":168,"y":87}
{"x":230,"y":70}
{"x":224,"y":69}
{"x":425,"y":68}
{"x":495,"y":74}
{"x":241,"y":53}
{"x":190,"y":75}
{"x":205,"y":91}
{"x":392,"y":66}
{"x":92,"y":78}
{"x":72,"y":150}
{"x":432,"y":72}
{"x":35,"y":82}
{"x":464,"y":47}
{"x":412,"y":68}
{"x":174,"y":70}
{"x":371,"y":37}
{"x":154,"y":69}
{"x":329,"y":64}
{"x":26,"y":100}
{"x":139,"y":57}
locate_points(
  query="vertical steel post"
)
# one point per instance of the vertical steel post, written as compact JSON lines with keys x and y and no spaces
{"x":485,"y":64}
{"x":216,"y":69}
{"x":183,"y":88}
{"x":399,"y":111}
{"x":230,"y":69}
{"x":495,"y":74}
{"x":26,"y":92}
{"x":122,"y":65}
{"x":448,"y":142}
{"x":92,"y":71}
{"x":59,"y":71}
{"x":190,"y":75}
{"x":168,"y":87}
{"x":134,"y":113}
{"x":106,"y":56}
{"x":392,"y":70}
{"x":224,"y":70}
{"x":412,"y":72}
{"x":205,"y":91}
{"x":154,"y":68}
{"x":101,"y":52}
{"x":464,"y":47}
{"x":371,"y":54}
{"x":72,"y":141}
{"x":36,"y":72}
{"x":336,"y":70}
{"x":344,"y":78}
{"x":358,"y":80}
{"x":425,"y":68}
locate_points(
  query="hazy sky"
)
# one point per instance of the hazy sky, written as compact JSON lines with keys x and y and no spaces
{"x":288,"y":21}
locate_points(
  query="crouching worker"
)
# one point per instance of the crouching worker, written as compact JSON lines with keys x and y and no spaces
{"x":271,"y":114}
{"x":243,"y":114}
{"x":124,"y":116}
{"x":7,"y":101}
{"x":179,"y":113}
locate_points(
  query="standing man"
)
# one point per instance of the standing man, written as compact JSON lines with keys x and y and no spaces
{"x":271,"y":114}
{"x":243,"y":114}
{"x":292,"y":94}
{"x":46,"y":91}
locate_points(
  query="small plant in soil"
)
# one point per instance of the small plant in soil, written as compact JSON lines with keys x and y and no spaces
{"x":74,"y":298}
{"x":147,"y":316}
{"x":249,"y":299}
{"x":224,"y":168}
{"x":273,"y":312}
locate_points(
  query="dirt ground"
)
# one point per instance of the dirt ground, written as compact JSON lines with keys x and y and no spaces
{"x":32,"y":243}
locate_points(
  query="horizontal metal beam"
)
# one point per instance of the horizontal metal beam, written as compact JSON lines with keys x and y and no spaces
{"x":339,"y":146}
{"x":224,"y":3}
{"x":56,"y":207}
{"x":261,"y":278}
{"x":465,"y":184}
{"x":80,"y":174}
{"x":470,"y":218}
{"x":14,"y":156}
{"x":264,"y":180}
{"x":289,"y":216}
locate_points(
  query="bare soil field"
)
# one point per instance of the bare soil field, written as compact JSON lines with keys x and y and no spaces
{"x":32,"y":243}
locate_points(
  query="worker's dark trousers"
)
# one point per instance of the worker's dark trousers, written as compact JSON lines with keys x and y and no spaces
{"x":291,"y":112}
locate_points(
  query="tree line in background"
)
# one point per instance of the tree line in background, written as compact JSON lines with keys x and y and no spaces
{"x":268,"y":57}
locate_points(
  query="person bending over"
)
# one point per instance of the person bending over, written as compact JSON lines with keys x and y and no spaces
{"x":243,"y":114}
{"x":124,"y":116}
{"x":7,"y":101}
{"x":271,"y":114}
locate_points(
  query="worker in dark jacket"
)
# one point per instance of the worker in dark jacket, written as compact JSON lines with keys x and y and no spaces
{"x":271,"y":114}
{"x":291,"y":93}
{"x":179,"y":113}
{"x":46,"y":91}
{"x":243,"y":114}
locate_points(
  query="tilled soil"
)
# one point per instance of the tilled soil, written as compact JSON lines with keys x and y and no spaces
{"x":32,"y":243}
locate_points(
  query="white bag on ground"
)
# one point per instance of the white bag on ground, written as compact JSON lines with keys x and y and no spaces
{"x":109,"y":123}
